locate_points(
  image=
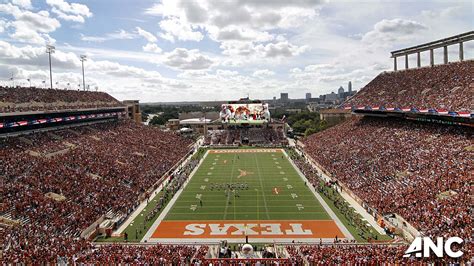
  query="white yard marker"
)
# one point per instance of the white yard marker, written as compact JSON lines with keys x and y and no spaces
{"x":209,"y":173}
{"x":203,"y":187}
{"x":206,"y":179}
{"x":282,"y":173}
{"x":293,"y":195}
{"x":289,"y":186}
{"x":193,"y":207}
{"x":285,"y":179}
{"x":279,"y":167}
{"x":300,"y":207}
{"x":277,"y":163}
{"x":275,"y":159}
{"x":212,"y":168}
{"x":198,"y":196}
{"x":214,"y":163}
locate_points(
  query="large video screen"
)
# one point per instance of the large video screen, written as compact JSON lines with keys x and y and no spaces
{"x":244,"y":113}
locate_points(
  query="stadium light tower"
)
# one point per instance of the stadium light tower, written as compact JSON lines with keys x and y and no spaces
{"x":50,"y":50}
{"x":83,"y":58}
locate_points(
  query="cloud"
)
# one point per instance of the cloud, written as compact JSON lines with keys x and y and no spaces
{"x":152,"y":48}
{"x":23,"y":3}
{"x":280,"y":49}
{"x":229,"y":20}
{"x":147,"y":35}
{"x":35,"y":57}
{"x":239,"y":34}
{"x":394,"y":30}
{"x":3,"y":25}
{"x":28,"y":26}
{"x":175,"y":28}
{"x":70,"y":12}
{"x":118,"y":35}
{"x":263,"y":73}
{"x":181,"y":58}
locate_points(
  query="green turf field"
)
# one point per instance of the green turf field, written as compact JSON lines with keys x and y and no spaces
{"x":275,"y":190}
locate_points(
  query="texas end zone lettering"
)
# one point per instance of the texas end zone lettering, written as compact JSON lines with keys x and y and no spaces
{"x":238,"y":229}
{"x":246,"y":229}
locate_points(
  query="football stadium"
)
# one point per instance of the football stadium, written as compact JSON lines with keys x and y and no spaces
{"x":381,"y":176}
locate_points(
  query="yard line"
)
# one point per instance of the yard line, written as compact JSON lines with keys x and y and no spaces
{"x":228,"y":195}
{"x":262,"y":188}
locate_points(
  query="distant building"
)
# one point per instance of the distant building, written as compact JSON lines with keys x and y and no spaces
{"x":294,"y":110}
{"x":331,"y":98}
{"x":334,"y":98}
{"x":308,"y":96}
{"x":284,"y":97}
{"x":340,"y":91}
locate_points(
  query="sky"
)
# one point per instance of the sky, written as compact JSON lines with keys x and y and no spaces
{"x":205,"y":50}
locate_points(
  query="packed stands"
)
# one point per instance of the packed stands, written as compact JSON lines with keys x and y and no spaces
{"x":129,"y":254}
{"x":252,"y":136}
{"x":24,"y":99}
{"x":354,"y":254}
{"x":420,"y":171}
{"x":443,"y":87}
{"x":55,"y":184}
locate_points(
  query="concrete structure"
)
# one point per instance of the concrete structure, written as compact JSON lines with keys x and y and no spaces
{"x":444,"y":43}
{"x":172,"y":124}
{"x":334,"y":116}
{"x":213,"y":115}
{"x":196,"y":124}
{"x":133,"y":110}
{"x":284,"y":97}
{"x":349,"y":86}
{"x":308,"y":96}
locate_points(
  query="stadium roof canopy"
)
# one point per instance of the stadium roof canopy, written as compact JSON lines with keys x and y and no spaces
{"x":464,"y":37}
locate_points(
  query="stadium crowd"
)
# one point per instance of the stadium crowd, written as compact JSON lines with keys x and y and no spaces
{"x":448,"y":86}
{"x":24,"y":99}
{"x":253,"y":136}
{"x":354,"y":254}
{"x":142,"y":254}
{"x":55,"y":184}
{"x":421,"y":171}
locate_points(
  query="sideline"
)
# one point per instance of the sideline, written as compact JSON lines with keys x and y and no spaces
{"x":323,"y":203}
{"x":171,"y":203}
{"x":145,"y":202}
{"x":353,"y":203}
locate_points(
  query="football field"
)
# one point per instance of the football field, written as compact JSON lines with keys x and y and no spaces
{"x":246,"y":192}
